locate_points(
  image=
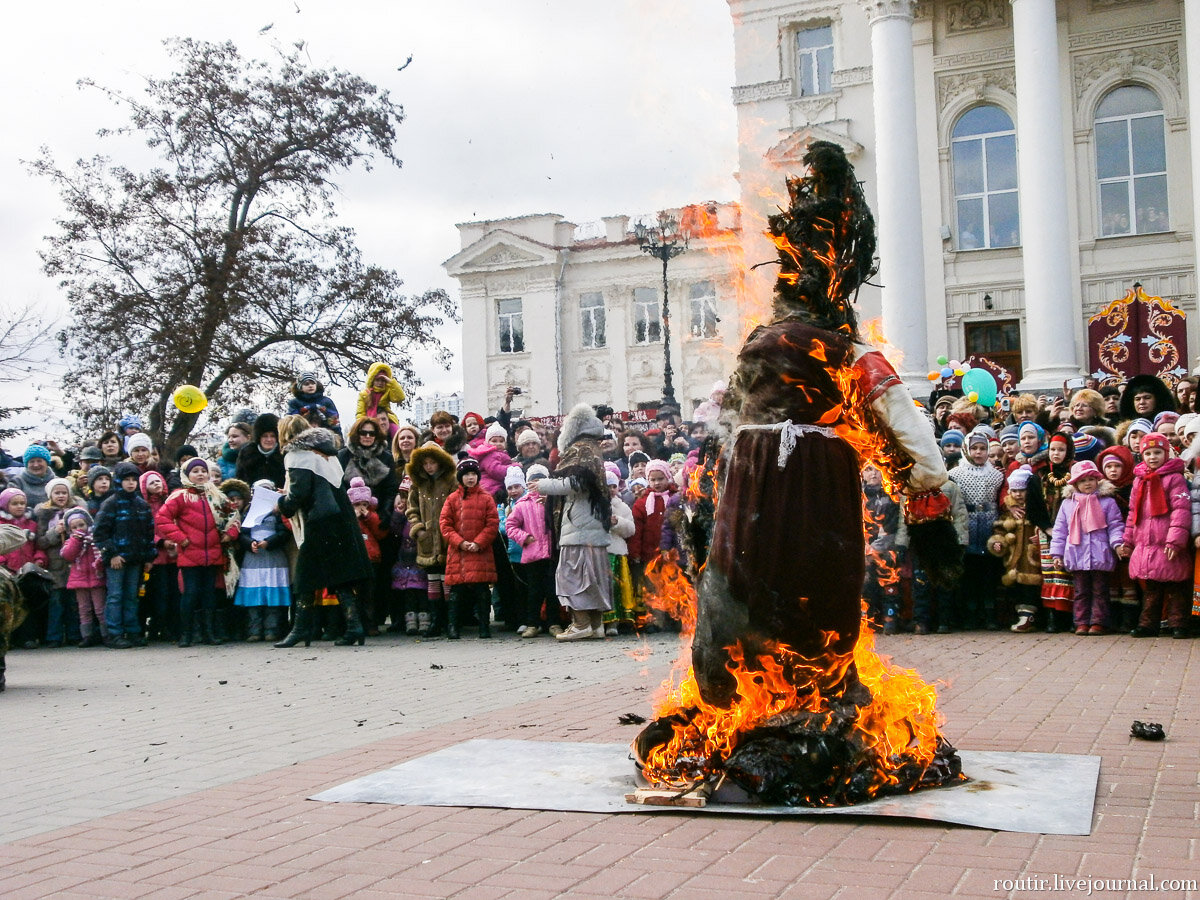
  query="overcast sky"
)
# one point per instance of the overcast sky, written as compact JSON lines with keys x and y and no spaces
{"x":513,"y":107}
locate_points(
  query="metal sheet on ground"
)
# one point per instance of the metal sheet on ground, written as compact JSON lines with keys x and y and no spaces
{"x":1040,"y":793}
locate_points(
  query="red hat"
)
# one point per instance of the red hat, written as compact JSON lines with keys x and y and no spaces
{"x":473,"y":416}
{"x":1155,"y":439}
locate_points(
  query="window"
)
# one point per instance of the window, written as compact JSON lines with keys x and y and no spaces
{"x":591,"y":320}
{"x":511,"y":326}
{"x":1131,"y":162}
{"x":983,"y":156}
{"x":647,"y":316}
{"x":814,"y":60}
{"x":702,"y":308}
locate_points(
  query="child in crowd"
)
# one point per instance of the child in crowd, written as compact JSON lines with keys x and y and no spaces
{"x":264,"y":588}
{"x":881,"y":584}
{"x":1087,"y":538}
{"x":373,"y":531}
{"x":431,"y":470}
{"x":952,"y":447}
{"x":510,"y":591}
{"x":1157,"y":533}
{"x":237,"y":497}
{"x":980,"y":482}
{"x":493,"y":460}
{"x":649,"y":510}
{"x":14,"y":509}
{"x":469,"y":523}
{"x":1125,"y":601}
{"x":1015,"y":541}
{"x":528,"y":525}
{"x":409,"y":584}
{"x":99,"y":488}
{"x":192,"y":518}
{"x":87,"y":576}
{"x":627,"y":610}
{"x":62,"y":621}
{"x":310,"y":402}
{"x":1058,"y":588}
{"x":933,"y":603}
{"x":378,"y":394}
{"x":124,"y":532}
{"x":162,"y":588}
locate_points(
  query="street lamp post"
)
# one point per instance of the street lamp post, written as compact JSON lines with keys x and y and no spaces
{"x":664,"y":241}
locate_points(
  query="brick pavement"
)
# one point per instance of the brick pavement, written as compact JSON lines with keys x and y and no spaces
{"x":219,"y":810}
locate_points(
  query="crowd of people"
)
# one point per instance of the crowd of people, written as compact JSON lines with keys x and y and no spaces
{"x":1074,"y":513}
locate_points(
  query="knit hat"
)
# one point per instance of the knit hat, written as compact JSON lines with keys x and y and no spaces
{"x":95,"y":472}
{"x":77,"y":512}
{"x":1188,"y":423}
{"x":677,"y":458}
{"x":189,"y":465}
{"x":536,"y":471}
{"x":638,"y":482}
{"x":514,"y":475}
{"x":528,"y":436}
{"x":987,"y":430}
{"x":130,"y":422}
{"x":1084,"y":469}
{"x":466,"y":467}
{"x":184,"y":451}
{"x":1155,"y":439}
{"x":1167,"y":416}
{"x":1008,"y":433}
{"x":612,"y":479}
{"x":610,"y":466}
{"x":245,"y":417}
{"x":1143,"y":425}
{"x":90,"y":453}
{"x":1125,"y":456}
{"x":977,"y":436}
{"x":472,"y":417}
{"x":306,"y":376}
{"x":496,"y":430}
{"x":1018,"y":479}
{"x":129,"y":470}
{"x":147,"y":477}
{"x":952,"y":438}
{"x":57,"y":482}
{"x":1087,"y":445}
{"x":657,"y":465}
{"x":265,"y":483}
{"x":358,"y":492}
{"x":8,"y":494}
{"x":638,"y":456}
{"x":36,"y":451}
{"x":141,"y":439}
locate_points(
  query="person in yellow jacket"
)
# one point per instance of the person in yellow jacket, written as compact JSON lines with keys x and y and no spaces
{"x":382,"y":390}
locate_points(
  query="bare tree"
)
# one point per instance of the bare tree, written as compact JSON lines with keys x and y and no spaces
{"x":24,"y":337}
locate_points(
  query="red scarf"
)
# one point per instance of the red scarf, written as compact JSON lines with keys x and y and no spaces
{"x":1148,"y":486}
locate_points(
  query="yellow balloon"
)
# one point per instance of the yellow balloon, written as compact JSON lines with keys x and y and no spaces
{"x":973,"y":396}
{"x":960,"y":372}
{"x":189,"y":399}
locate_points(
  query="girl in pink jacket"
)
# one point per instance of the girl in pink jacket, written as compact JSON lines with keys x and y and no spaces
{"x":527,"y":524}
{"x":1157,"y":531}
{"x":493,"y":459}
{"x":87,"y":577}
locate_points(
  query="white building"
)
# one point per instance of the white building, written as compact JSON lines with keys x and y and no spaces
{"x":425,"y":407}
{"x":568,"y":317}
{"x":1038,"y":162}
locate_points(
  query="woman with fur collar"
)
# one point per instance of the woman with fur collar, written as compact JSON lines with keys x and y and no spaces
{"x":331,"y":552}
{"x":583,"y":579}
{"x":445,"y":431}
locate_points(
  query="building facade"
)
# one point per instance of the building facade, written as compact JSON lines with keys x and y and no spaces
{"x":1038,"y":159}
{"x":570,"y":314}
{"x":424,"y":407}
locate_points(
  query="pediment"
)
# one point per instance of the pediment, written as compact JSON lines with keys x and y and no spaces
{"x":790,"y":151}
{"x":497,"y":251}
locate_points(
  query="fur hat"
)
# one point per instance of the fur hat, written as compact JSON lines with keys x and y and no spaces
{"x":1019,"y":478}
{"x":7,"y":495}
{"x":36,"y":451}
{"x":536,"y":471}
{"x":235,"y":486}
{"x":466,"y":467}
{"x":358,"y":492}
{"x":580,"y":421}
{"x":77,"y":512}
{"x":96,"y":472}
{"x":267,"y":422}
{"x":189,"y":465}
{"x":496,"y":430}
{"x":1084,"y":469}
{"x":141,"y":439}
{"x":514,"y":475}
{"x":1146,"y":384}
{"x":185,"y":451}
{"x":129,"y":470}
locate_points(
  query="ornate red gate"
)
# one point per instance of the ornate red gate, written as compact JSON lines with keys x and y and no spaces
{"x":1138,"y":335}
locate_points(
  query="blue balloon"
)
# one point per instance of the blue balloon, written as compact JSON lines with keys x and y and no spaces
{"x":983,"y":383}
{"x":947,"y":371}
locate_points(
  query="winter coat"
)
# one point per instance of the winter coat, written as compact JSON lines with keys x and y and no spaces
{"x":254,"y":465}
{"x":1015,"y":540}
{"x":469,"y":514}
{"x":373,"y":531}
{"x":125,"y":528}
{"x":1094,"y":552}
{"x":228,"y":460}
{"x":372,"y":402}
{"x":647,"y":535}
{"x":528,"y":519}
{"x":622,"y":530}
{"x":493,"y":464}
{"x":425,"y":501}
{"x":187,"y":519}
{"x":1150,"y":535}
{"x":980,"y":487}
{"x":512,"y":549}
{"x":579,"y":526}
{"x":86,"y":562}
{"x":331,"y":551}
{"x":28,"y":552}
{"x":165,"y":557}
{"x":381,"y":479}
{"x":316,"y":408}
{"x":49,"y":540}
{"x":33,"y":486}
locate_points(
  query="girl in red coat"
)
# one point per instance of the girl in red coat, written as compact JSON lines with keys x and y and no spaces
{"x":469,"y":523}
{"x":194,"y":519}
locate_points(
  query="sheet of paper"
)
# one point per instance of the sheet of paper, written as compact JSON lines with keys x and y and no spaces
{"x":261,"y":504}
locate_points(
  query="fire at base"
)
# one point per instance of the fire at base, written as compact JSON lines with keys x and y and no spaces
{"x":785,"y":694}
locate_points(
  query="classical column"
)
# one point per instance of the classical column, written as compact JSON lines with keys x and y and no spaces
{"x":1191,"y":38}
{"x":898,"y":210}
{"x":1049,"y":354}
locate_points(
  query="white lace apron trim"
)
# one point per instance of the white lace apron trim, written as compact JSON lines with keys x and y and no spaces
{"x":788,"y":432}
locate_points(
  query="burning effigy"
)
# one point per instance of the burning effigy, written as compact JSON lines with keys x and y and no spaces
{"x":785,"y":695}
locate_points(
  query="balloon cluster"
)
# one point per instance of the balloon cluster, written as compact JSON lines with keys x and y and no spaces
{"x":979,"y":385}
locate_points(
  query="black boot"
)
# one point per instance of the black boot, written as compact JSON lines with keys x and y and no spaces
{"x":354,"y":633}
{"x":302,"y":627}
{"x":2,"y":668}
{"x":452,"y":617}
{"x":220,"y":629}
{"x":483,"y":612}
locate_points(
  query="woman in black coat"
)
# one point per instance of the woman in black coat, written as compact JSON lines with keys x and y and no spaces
{"x":261,"y":458}
{"x":331,"y":551}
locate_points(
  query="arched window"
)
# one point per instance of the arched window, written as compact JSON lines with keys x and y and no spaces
{"x":1131,"y":162}
{"x":983,"y":155}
